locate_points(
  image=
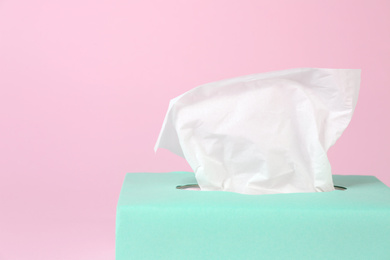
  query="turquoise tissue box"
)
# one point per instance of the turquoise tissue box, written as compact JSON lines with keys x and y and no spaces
{"x":157,"y":221}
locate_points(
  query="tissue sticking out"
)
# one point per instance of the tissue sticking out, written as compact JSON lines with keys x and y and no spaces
{"x":264,"y":133}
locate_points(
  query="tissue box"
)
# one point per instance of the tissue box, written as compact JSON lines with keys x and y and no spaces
{"x":157,"y":221}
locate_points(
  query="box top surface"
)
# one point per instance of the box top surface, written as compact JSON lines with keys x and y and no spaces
{"x":159,"y":190}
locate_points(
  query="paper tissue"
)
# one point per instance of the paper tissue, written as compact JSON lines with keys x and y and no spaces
{"x":264,"y":133}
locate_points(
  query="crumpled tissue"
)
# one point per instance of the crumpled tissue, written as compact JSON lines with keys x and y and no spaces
{"x":264,"y":133}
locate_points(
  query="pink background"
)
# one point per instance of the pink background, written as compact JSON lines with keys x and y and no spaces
{"x":84,"y":87}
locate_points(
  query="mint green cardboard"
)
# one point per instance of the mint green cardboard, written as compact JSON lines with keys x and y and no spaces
{"x":157,"y":221}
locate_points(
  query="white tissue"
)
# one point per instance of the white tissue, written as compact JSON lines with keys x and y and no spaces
{"x":264,"y":133}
